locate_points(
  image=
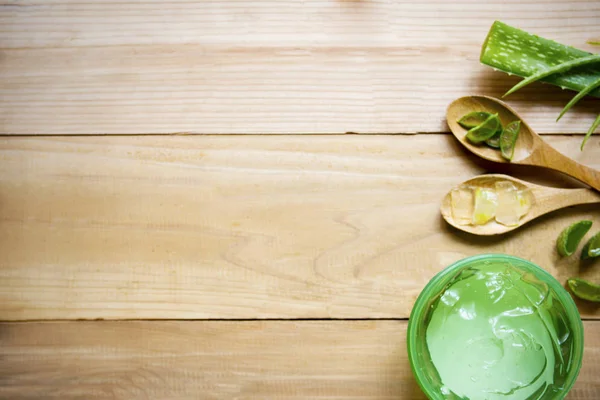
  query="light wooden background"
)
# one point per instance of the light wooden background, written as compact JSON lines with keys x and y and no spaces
{"x":325,"y":66}
{"x":180,"y":266}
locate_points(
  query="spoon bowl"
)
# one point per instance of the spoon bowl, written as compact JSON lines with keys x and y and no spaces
{"x":530,"y":148}
{"x":545,"y":200}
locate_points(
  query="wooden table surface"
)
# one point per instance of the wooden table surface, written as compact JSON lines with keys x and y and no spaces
{"x":184,"y":216}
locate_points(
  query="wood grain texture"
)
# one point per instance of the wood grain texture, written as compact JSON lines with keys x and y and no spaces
{"x":223,"y":360}
{"x":268,"y":66}
{"x":243,"y":226}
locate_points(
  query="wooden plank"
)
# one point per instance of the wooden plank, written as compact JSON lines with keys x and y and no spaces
{"x":223,"y":360}
{"x":268,"y":66}
{"x":242,"y":226}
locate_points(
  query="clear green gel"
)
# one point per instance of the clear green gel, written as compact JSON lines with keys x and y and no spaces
{"x":497,"y":332}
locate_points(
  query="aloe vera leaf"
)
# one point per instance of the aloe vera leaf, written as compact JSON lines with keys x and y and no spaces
{"x":557,"y":69}
{"x":578,"y":97}
{"x":517,"y":52}
{"x":592,"y":129}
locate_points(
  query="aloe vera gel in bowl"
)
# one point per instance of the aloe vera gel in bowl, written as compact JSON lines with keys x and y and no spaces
{"x":495,"y":327}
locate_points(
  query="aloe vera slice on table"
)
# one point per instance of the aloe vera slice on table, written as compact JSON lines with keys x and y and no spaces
{"x":585,"y":290}
{"x":571,"y":236}
{"x":592,"y":248}
{"x":517,"y":52}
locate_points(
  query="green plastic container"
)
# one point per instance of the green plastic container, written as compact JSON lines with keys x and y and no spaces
{"x":492,"y":327}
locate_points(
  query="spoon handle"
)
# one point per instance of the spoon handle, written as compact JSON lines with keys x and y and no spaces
{"x":547,"y":156}
{"x":548,"y":200}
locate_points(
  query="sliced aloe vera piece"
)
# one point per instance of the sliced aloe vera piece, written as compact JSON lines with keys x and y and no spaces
{"x":578,"y":97}
{"x":594,"y":126}
{"x":494,"y":141}
{"x":473,"y":119}
{"x":508,"y":139}
{"x":569,"y":238}
{"x":517,"y":52}
{"x":486,"y":203}
{"x":485,"y":130}
{"x":591,"y":248}
{"x":585,"y":290}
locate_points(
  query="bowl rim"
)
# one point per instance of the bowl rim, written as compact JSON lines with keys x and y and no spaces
{"x":418,"y":311}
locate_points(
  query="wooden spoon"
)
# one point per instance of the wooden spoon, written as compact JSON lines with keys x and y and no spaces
{"x":530,"y":148}
{"x":545,"y":200}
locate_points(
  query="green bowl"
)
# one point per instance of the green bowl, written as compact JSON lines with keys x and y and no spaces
{"x":555,"y":312}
